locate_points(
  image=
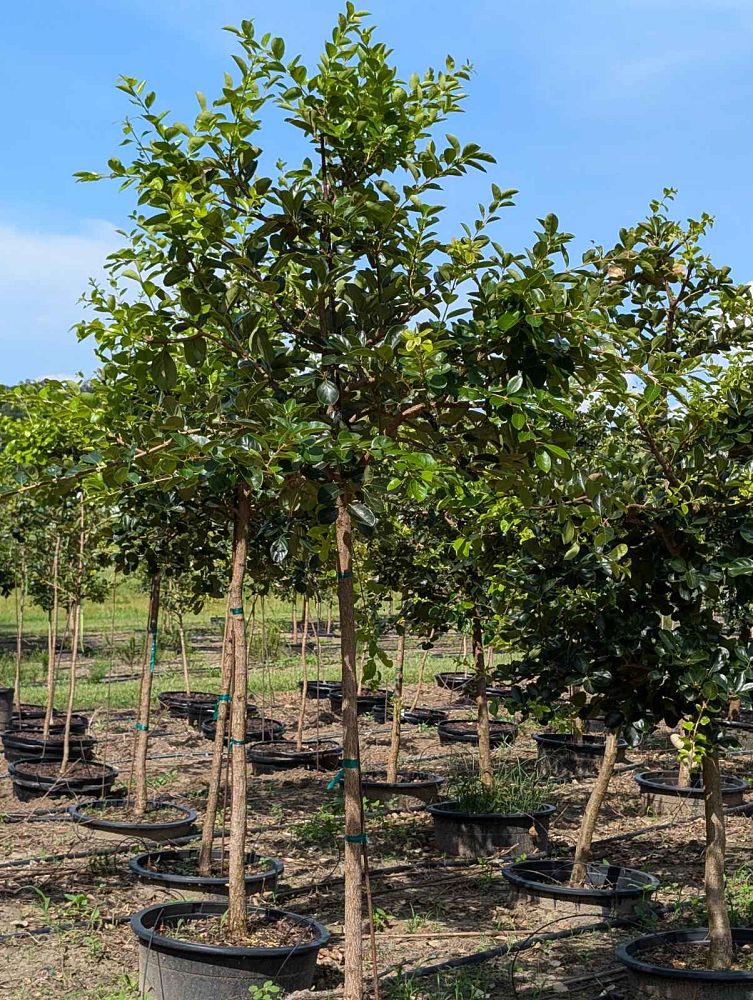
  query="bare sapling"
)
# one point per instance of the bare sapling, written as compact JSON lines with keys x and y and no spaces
{"x":21,"y":585}
{"x":305,"y":673}
{"x":183,"y":651}
{"x":75,"y":613}
{"x":237,"y":919}
{"x":52,"y":638}
{"x":393,"y":758}
{"x":593,"y":808}
{"x":141,"y":727}
{"x":421,"y":672}
{"x":486,"y":769}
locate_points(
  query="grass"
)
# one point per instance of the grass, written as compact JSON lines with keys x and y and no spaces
{"x":518,"y":787}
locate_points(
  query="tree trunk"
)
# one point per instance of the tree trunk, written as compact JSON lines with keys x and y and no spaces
{"x":720,"y":935}
{"x":329,"y":618}
{"x":304,"y":671}
{"x":20,"y":604}
{"x":482,"y":705}
{"x":294,"y":623}
{"x":354,"y":836}
{"x":215,"y":771}
{"x":237,"y":905}
{"x":76,"y":625}
{"x":397,"y":708}
{"x":183,"y":654}
{"x":421,"y":670}
{"x":52,"y":639}
{"x":593,"y":808}
{"x":141,"y":740}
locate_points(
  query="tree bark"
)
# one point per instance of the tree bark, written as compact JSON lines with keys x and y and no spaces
{"x":353,"y":853}
{"x":215,"y":770}
{"x":720,"y":935}
{"x":76,"y":625}
{"x":397,"y":707}
{"x":237,"y":922}
{"x":482,"y":704}
{"x":593,"y":808}
{"x":52,"y":639}
{"x":141,"y":741}
{"x":20,"y":605}
{"x":304,"y":671}
{"x":183,"y":654}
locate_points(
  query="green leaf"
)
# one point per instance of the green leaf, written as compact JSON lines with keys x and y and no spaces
{"x":543,"y":460}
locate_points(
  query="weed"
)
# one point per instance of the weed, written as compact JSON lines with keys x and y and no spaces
{"x":518,"y":787}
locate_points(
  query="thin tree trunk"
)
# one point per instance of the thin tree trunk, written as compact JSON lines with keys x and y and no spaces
{"x":720,"y":935}
{"x":593,"y":808}
{"x":397,"y":707}
{"x":141,"y":741}
{"x":354,"y":835}
{"x":329,"y":617}
{"x":294,"y":623}
{"x":20,"y":605}
{"x":421,"y":670}
{"x":52,"y":639}
{"x":183,"y":654}
{"x":482,"y":705}
{"x":76,"y":625}
{"x":236,"y":912}
{"x":215,"y":770}
{"x":683,"y":774}
{"x":304,"y":671}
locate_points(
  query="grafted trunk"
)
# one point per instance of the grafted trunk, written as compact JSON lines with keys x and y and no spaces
{"x":52,"y":639}
{"x":720,"y":935}
{"x":304,"y":671}
{"x":20,"y":605}
{"x":141,"y":738}
{"x":215,"y":770}
{"x":482,"y":704}
{"x":593,"y":808}
{"x":397,"y":706}
{"x":354,"y":834}
{"x":236,"y":912}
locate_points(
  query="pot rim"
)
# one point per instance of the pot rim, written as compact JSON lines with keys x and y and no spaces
{"x":445,"y":810}
{"x":650,"y":781}
{"x":274,"y":868}
{"x":76,"y":811}
{"x":694,"y":935}
{"x":513,"y":875}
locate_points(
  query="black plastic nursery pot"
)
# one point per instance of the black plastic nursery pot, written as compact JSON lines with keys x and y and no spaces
{"x":34,"y":778}
{"x":365,"y":703}
{"x":320,"y":690}
{"x":258,"y":730}
{"x":180,"y":970}
{"x":471,"y":835}
{"x":150,"y":828}
{"x":412,"y":717}
{"x":741,"y":728}
{"x":421,"y":785}
{"x":453,"y":680}
{"x":609,"y":890}
{"x":662,"y":795}
{"x":27,"y":712}
{"x":6,"y":707}
{"x":35,"y":726}
{"x":461,"y":731}
{"x":283,"y":755}
{"x":581,"y":756}
{"x":155,"y":867}
{"x":23,"y":744}
{"x":196,"y":707}
{"x":650,"y":980}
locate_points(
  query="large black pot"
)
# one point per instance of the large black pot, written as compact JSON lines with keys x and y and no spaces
{"x":28,"y":784}
{"x":609,"y":890}
{"x":581,"y":756}
{"x":469,"y":835}
{"x":454,"y":680}
{"x":21,"y":744}
{"x":178,"y":970}
{"x":282,"y":755}
{"x":650,"y":980}
{"x":410,"y":785}
{"x":6,"y":707}
{"x":320,"y":690}
{"x":169,"y":829}
{"x":258,"y":730}
{"x":365,"y":703}
{"x":662,"y":795}
{"x":262,"y":881}
{"x":35,"y":727}
{"x":457,"y":731}
{"x":196,"y":707}
{"x":412,"y":717}
{"x":28,"y":712}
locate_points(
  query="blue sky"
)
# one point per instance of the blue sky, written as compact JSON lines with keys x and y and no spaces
{"x":590,"y":108}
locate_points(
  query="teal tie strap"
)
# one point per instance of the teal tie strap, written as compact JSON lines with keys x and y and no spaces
{"x":356,"y":838}
{"x":140,"y":727}
{"x":222,"y":697}
{"x":345,"y":576}
{"x":153,"y":652}
{"x":236,"y":743}
{"x":348,"y":763}
{"x":236,"y":611}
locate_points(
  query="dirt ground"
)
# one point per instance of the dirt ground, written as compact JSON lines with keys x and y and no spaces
{"x":64,"y":929}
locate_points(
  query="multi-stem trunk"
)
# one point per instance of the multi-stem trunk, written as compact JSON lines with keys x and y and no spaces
{"x":183,"y":653}
{"x":215,"y":770}
{"x":354,"y":835}
{"x":397,"y":708}
{"x":75,"y":627}
{"x":486,"y":770}
{"x":141,"y":741}
{"x":593,"y":808}
{"x":237,"y":924}
{"x":720,"y":935}
{"x":52,"y":638}
{"x":20,"y":605}
{"x":304,"y":671}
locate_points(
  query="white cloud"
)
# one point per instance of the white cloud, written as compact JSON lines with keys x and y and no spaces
{"x":42,"y":277}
